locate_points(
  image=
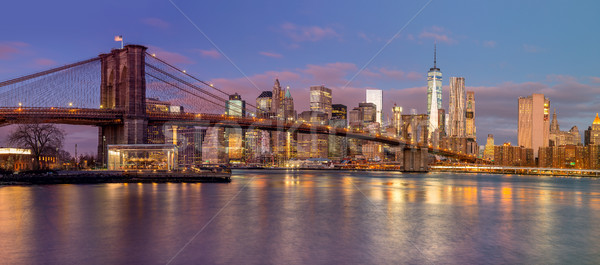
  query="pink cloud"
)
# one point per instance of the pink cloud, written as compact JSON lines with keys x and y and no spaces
{"x":489,"y":44}
{"x":595,"y":79}
{"x":532,"y":48}
{"x":310,"y":33}
{"x":170,"y":57}
{"x":210,"y":53}
{"x":332,"y":73}
{"x":44,"y":62}
{"x":156,"y":22}
{"x":271,"y":54}
{"x":9,"y":49}
{"x":438,"y":34}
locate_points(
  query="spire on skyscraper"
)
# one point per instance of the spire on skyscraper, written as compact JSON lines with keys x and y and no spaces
{"x":434,"y":55}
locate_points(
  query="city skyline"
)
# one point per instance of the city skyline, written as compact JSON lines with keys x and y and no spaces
{"x":517,"y":58}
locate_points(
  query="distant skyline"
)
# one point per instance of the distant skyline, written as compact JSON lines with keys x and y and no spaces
{"x":503,"y":49}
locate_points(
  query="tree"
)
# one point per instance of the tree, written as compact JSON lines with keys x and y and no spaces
{"x":41,"y":139}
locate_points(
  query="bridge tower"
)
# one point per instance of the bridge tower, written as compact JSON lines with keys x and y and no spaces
{"x":123,"y":87}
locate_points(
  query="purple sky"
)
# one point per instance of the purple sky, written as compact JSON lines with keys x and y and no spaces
{"x":503,"y":49}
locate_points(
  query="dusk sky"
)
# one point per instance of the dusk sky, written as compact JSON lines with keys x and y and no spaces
{"x":504,"y":49}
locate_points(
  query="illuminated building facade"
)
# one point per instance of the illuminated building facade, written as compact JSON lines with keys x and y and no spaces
{"x":434,"y":94}
{"x":234,"y":137}
{"x":470,"y":128}
{"x":534,"y":122}
{"x":338,"y":145}
{"x":508,"y":155}
{"x":488,"y":152}
{"x":592,"y":134}
{"x":397,"y":119}
{"x":457,"y":107}
{"x":375,"y":96}
{"x":312,"y":145}
{"x":320,"y":99}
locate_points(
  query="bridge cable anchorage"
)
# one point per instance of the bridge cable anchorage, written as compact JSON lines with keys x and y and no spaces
{"x":193,"y":77}
{"x":184,"y":90}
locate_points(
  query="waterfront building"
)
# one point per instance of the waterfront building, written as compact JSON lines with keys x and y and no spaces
{"x":457,"y":106}
{"x":320,"y":99}
{"x":234,"y":137}
{"x":558,"y":137}
{"x":471,"y":130}
{"x":592,"y":134}
{"x":312,"y":145}
{"x":339,"y":112}
{"x":442,"y":123}
{"x":397,"y":119}
{"x":368,"y":112}
{"x":534,"y":123}
{"x":564,"y":156}
{"x":375,"y":96}
{"x":263,"y":104}
{"x":461,"y":145}
{"x":213,"y":146}
{"x":338,"y":145}
{"x":235,"y":106}
{"x":509,"y":155}
{"x":289,"y":113}
{"x":488,"y":152}
{"x":16,"y":159}
{"x":434,"y":94}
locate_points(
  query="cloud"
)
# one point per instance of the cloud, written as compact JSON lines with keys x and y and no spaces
{"x":595,"y":79}
{"x":156,"y":22}
{"x":532,"y":48}
{"x":438,"y":34}
{"x":308,"y":33}
{"x":271,"y":54}
{"x":364,"y":36}
{"x":400,"y":75}
{"x":210,"y":53}
{"x":9,"y":49}
{"x":44,"y":62}
{"x":489,"y":44}
{"x":331,"y":74}
{"x":170,"y":57}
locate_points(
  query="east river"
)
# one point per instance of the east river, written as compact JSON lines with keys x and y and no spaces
{"x":307,"y":217}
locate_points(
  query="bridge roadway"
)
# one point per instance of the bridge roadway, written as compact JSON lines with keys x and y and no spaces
{"x":99,"y":117}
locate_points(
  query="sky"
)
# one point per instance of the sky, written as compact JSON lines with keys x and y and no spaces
{"x":503,"y":49}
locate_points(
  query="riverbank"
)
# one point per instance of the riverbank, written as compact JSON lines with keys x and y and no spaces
{"x":559,"y":172}
{"x":98,"y":177}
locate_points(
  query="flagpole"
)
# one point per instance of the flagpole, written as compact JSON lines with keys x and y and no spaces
{"x":121,"y":42}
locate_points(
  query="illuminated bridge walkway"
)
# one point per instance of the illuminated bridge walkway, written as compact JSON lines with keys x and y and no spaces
{"x":111,"y":91}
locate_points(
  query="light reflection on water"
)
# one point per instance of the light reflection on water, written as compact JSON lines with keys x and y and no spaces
{"x":316,"y":217}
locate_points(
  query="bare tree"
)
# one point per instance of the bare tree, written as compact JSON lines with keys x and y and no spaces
{"x":41,"y":139}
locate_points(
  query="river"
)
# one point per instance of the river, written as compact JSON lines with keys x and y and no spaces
{"x":307,"y":217}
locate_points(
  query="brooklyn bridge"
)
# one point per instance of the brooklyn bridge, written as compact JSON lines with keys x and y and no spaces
{"x":111,"y":91}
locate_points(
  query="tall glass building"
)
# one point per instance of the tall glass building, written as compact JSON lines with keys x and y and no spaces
{"x":375,"y":96}
{"x":434,"y":94}
{"x":320,"y":99}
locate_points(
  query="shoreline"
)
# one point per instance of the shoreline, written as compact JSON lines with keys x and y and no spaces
{"x":99,"y":177}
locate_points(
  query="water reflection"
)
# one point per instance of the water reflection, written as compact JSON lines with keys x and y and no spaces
{"x":307,"y":217}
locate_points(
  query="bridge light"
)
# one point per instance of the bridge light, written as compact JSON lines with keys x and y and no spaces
{"x":100,"y":106}
{"x":183,"y":71}
{"x":154,"y":55}
{"x":70,"y":104}
{"x":20,"y":104}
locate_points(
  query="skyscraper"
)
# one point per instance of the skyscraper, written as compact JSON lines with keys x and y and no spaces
{"x":234,"y":137}
{"x":235,"y":106}
{"x":457,"y":106}
{"x":339,"y":112}
{"x":277,"y":100}
{"x":397,"y":119}
{"x":434,"y":94}
{"x":592,"y":134}
{"x":534,"y":123}
{"x":289,"y":114}
{"x":320,"y":99}
{"x":375,"y":96}
{"x":470,"y":116}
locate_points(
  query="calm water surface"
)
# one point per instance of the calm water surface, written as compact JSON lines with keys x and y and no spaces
{"x":307,"y":217}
